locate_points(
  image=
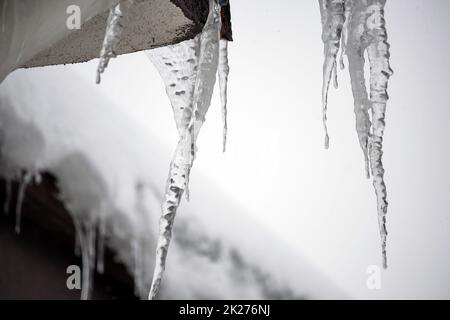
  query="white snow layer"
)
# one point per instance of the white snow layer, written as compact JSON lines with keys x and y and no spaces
{"x":110,"y":173}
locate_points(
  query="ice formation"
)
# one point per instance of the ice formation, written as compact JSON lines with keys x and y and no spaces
{"x":224,"y":71}
{"x":189,"y":71}
{"x":22,"y":188}
{"x":113,"y":32}
{"x":24,"y":182}
{"x":332,"y":13}
{"x":360,"y":26}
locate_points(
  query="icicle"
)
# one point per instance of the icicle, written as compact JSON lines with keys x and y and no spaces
{"x":113,"y":33}
{"x":224,"y":71}
{"x":334,"y":75}
{"x":176,"y":184}
{"x":20,"y":197}
{"x":178,"y":65}
{"x":332,"y":13}
{"x":380,"y":71}
{"x":207,"y":70}
{"x":365,"y":31}
{"x":356,"y":46}
{"x":7,"y":196}
{"x":86,"y":238}
{"x":101,"y":246}
{"x":344,"y":36}
{"x":185,"y":152}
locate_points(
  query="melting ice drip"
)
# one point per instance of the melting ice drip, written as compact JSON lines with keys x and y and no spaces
{"x":86,"y":239}
{"x":358,"y":26}
{"x":113,"y":33}
{"x":25,"y":180}
{"x":224,"y":71}
{"x":189,"y":72}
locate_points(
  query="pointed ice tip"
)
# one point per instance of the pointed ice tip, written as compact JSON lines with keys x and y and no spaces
{"x":97,"y":80}
{"x":327,"y":142}
{"x":335,"y":82}
{"x":153,"y":291}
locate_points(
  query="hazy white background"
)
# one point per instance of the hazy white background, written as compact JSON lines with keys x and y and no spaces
{"x":276,"y":167}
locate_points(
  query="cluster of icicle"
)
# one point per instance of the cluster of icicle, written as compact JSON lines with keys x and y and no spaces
{"x":357,"y":27}
{"x":90,"y":235}
{"x":189,"y":71}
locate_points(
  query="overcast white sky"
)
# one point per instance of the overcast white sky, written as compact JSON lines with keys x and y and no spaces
{"x":275,"y":166}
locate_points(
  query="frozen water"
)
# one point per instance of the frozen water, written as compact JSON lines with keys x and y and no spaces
{"x":207,"y":47}
{"x":364,"y":32}
{"x":224,"y":71}
{"x":86,"y":236}
{"x":113,"y":32}
{"x":380,"y":71}
{"x":332,"y":14}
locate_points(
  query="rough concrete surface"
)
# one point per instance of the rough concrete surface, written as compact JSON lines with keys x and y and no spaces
{"x":150,"y":24}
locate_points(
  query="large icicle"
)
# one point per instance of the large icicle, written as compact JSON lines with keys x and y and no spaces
{"x":364,"y":32}
{"x":178,"y":67}
{"x":380,"y":71}
{"x":224,"y":71}
{"x":332,"y":14}
{"x":183,"y":158}
{"x":113,"y":33}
